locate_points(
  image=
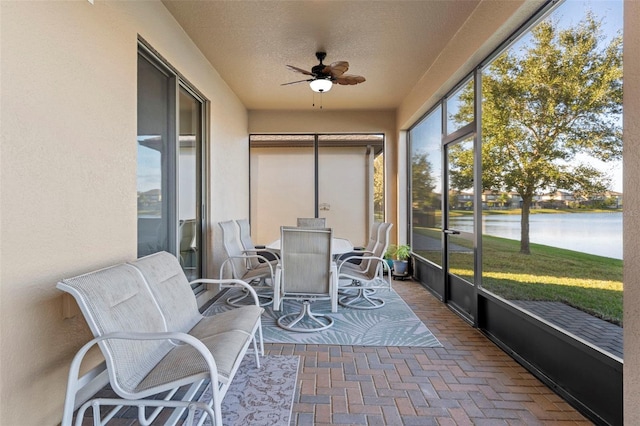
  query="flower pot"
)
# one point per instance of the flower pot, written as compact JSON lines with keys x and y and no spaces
{"x":390,"y":264}
{"x":400,"y":267}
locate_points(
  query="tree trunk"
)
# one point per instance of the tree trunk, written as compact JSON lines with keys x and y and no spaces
{"x":524,"y":224}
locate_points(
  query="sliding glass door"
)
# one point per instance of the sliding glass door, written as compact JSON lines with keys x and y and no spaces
{"x":459,"y":230}
{"x":189,"y":182}
{"x":156,"y":162}
{"x":170,"y":129}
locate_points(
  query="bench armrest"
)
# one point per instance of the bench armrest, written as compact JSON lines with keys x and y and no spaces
{"x":75,"y":381}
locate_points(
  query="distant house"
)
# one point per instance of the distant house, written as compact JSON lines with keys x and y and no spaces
{"x":610,"y":199}
{"x":492,"y":200}
{"x":461,"y":200}
{"x":564,"y":199}
{"x":557,"y":199}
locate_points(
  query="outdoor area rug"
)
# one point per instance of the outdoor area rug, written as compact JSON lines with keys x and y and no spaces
{"x":261,"y":397}
{"x":394,"y":324}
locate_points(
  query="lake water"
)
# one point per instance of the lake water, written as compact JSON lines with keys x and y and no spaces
{"x":594,"y":233}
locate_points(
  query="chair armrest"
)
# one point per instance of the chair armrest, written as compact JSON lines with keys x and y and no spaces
{"x":345,"y":260}
{"x":257,"y":250}
{"x":357,"y":255}
{"x":227,"y":283}
{"x":249,"y":256}
{"x":244,"y":257}
{"x":334,"y":287}
{"x":276,"y":288}
{"x":380,"y":261}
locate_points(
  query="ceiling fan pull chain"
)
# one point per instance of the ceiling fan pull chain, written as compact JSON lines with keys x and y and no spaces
{"x":313,"y":104}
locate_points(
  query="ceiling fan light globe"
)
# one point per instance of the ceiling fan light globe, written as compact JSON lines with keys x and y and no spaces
{"x":321,"y":85}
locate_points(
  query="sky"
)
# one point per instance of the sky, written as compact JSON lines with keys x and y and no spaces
{"x":570,"y":12}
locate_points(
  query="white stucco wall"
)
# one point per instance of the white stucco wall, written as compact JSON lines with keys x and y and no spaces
{"x":68,"y":172}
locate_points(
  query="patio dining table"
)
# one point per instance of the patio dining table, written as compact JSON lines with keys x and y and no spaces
{"x":339,"y":246}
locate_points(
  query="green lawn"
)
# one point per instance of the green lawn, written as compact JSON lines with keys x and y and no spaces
{"x":588,"y":282}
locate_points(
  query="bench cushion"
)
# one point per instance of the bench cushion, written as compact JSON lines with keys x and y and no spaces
{"x":241,"y":319}
{"x":178,"y":303}
{"x":184,"y":361}
{"x":171,"y":290}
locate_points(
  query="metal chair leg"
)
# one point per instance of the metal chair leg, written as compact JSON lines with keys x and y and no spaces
{"x":318,"y":322}
{"x":235,"y":300}
{"x":362,"y":300}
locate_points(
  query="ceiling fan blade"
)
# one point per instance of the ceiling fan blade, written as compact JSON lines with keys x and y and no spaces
{"x":349,"y":79}
{"x":294,"y":82}
{"x":300,"y":70}
{"x":336,"y":69}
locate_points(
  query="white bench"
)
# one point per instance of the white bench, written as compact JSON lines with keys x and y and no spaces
{"x":145,"y":319}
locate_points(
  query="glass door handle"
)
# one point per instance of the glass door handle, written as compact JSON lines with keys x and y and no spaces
{"x":451,"y":231}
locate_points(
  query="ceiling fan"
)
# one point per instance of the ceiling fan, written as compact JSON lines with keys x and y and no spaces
{"x":325,"y":76}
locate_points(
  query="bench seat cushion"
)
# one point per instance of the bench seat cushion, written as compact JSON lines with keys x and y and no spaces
{"x":227,"y":349}
{"x":241,"y":319}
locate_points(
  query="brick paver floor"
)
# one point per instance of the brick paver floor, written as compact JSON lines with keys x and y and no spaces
{"x":468,"y":381}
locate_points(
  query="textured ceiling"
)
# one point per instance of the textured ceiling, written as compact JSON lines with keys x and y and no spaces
{"x":391,"y":43}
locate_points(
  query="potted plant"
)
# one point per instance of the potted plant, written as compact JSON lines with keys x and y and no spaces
{"x":401,"y":259}
{"x":388,"y":256}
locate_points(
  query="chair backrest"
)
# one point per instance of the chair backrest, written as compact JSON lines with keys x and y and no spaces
{"x":187,"y":233}
{"x":371,"y":245}
{"x":172,"y":291}
{"x":379,"y":250}
{"x":118,"y":299}
{"x":373,"y":236}
{"x":247,"y":243}
{"x":312,"y":222}
{"x":233,"y":247}
{"x":305,"y":261}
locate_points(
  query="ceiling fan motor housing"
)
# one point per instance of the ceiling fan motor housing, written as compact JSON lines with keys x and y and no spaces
{"x":318,"y":70}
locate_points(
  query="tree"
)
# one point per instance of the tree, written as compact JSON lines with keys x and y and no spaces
{"x":555,"y":98}
{"x":378,"y":184}
{"x":423,"y":183}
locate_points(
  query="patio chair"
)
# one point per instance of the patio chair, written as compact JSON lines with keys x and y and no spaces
{"x":367,"y":276}
{"x":260,"y":277}
{"x":251,"y":249}
{"x":312,"y":222}
{"x":306,"y":273}
{"x":188,"y":247}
